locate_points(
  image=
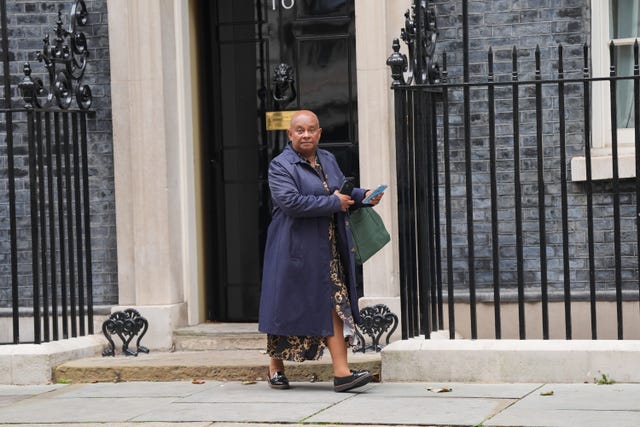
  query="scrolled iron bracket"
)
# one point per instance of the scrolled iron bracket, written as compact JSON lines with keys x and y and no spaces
{"x":65,"y":61}
{"x":126,"y":324}
{"x":420,"y":34}
{"x":376,"y":320}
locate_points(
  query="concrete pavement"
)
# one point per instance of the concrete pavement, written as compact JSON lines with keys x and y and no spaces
{"x":218,"y":403}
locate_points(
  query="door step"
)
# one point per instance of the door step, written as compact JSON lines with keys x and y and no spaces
{"x":210,"y":351}
{"x":218,"y":365}
{"x":219,"y":336}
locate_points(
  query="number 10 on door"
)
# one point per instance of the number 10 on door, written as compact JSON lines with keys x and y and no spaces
{"x":284,"y":3}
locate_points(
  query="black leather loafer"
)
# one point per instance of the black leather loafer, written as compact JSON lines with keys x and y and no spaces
{"x":279,"y":380}
{"x":356,"y":379}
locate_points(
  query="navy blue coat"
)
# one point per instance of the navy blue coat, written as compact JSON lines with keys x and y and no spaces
{"x":296,"y":289}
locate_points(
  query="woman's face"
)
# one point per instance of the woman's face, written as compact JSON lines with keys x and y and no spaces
{"x":304,"y":133}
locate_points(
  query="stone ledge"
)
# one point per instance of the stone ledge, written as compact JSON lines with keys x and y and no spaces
{"x":500,"y":361}
{"x":602,"y":167}
{"x":31,"y":364}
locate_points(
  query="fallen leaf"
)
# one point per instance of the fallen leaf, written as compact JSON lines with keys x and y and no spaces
{"x":248,"y":382}
{"x":439,"y":390}
{"x":547,"y":393}
{"x":197,"y":381}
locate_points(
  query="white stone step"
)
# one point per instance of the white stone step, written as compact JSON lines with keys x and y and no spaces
{"x":219,"y":336}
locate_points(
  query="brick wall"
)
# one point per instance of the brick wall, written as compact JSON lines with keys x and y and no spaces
{"x":501,"y":25}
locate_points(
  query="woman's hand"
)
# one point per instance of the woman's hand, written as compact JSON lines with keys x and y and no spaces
{"x":345,"y":200}
{"x":375,"y":200}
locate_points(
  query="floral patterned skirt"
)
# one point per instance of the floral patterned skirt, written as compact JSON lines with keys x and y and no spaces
{"x":301,"y":348}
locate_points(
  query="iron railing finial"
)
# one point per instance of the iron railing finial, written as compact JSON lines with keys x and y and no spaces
{"x":398,"y":63}
{"x":65,"y":62}
{"x":420,"y":33}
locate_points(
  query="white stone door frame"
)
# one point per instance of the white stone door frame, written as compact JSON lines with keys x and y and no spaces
{"x":155,"y":153}
{"x":154,"y":163}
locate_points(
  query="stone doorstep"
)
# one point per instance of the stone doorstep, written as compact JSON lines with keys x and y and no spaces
{"x":511,"y":361}
{"x":198,"y":340}
{"x":221,"y":365}
{"x":79,"y":359}
{"x":219,"y":336}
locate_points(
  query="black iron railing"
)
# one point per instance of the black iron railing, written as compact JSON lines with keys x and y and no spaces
{"x":45,"y":192}
{"x":487,"y":211}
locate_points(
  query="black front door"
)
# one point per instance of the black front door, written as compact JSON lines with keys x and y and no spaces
{"x":258,"y":57}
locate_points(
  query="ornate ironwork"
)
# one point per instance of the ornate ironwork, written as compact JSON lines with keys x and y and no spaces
{"x":283,"y":88}
{"x":419,"y":33}
{"x":126,"y":324}
{"x":376,"y":320}
{"x":65,"y":61}
{"x":398,"y":63}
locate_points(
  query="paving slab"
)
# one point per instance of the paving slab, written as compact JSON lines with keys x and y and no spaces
{"x":205,"y":424}
{"x":614,"y":397}
{"x":136,"y":389}
{"x":28,"y":390}
{"x":126,"y":424}
{"x":422,"y":410}
{"x":8,"y":400}
{"x":565,"y":418}
{"x":420,"y":389}
{"x":46,"y":410}
{"x":10,"y":394}
{"x":239,"y":412}
{"x":575,"y":404}
{"x":260,"y":392}
{"x":305,"y":424}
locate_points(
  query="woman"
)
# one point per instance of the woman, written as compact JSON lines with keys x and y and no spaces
{"x":309,"y":298}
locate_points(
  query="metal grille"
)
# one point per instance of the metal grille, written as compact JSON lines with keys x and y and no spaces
{"x":44,"y":193}
{"x":487,"y":211}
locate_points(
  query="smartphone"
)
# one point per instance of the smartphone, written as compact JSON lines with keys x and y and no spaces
{"x":374,"y":193}
{"x":347,"y":187}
